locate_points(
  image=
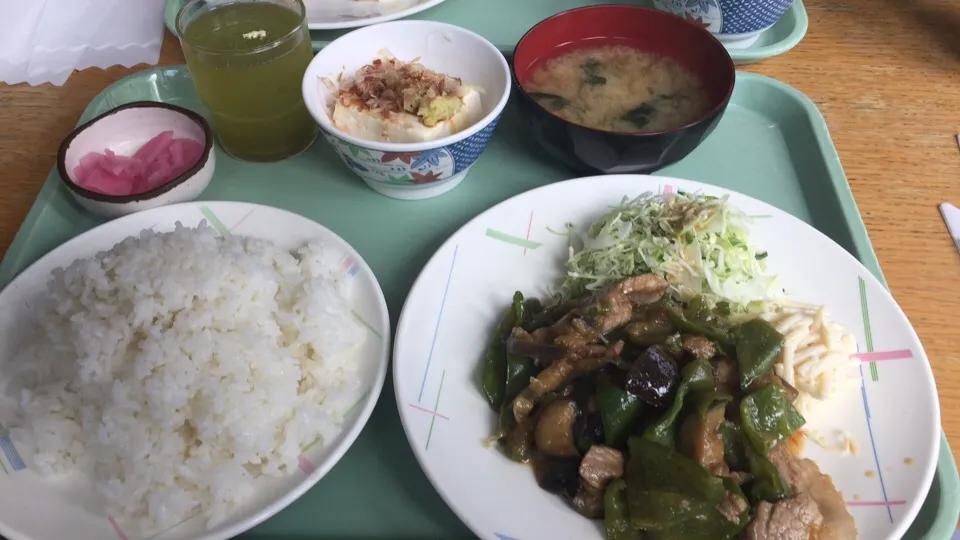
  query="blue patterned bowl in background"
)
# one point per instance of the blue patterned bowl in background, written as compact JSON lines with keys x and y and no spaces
{"x":736,"y":23}
{"x":411,"y":170}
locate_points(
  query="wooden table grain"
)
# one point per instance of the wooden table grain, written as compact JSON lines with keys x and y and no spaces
{"x":885,"y":74}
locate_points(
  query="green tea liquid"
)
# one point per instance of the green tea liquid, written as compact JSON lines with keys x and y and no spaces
{"x":247,"y":61}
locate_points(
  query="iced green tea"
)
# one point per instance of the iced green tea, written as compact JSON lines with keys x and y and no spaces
{"x":247,"y":60}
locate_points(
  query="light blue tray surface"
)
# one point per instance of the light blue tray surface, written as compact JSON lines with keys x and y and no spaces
{"x":772,"y":144}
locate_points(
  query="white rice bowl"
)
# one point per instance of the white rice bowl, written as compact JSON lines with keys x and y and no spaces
{"x":176,"y":368}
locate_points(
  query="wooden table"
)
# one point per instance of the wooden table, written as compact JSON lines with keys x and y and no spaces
{"x":885,"y":73}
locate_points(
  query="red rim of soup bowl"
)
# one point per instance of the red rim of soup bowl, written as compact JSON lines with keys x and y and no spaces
{"x":645,"y":29}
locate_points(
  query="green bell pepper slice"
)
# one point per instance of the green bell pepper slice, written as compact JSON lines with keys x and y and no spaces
{"x":733,"y":451}
{"x":519,"y":371}
{"x":697,"y":376}
{"x":767,"y":418}
{"x":619,"y":412}
{"x":664,"y":487}
{"x":710,"y":523}
{"x":758,"y":345}
{"x":687,"y":326}
{"x":616,"y":513}
{"x":493,"y":378}
{"x":768,"y":484}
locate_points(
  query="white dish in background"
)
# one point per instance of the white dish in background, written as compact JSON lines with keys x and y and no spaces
{"x":335,"y":14}
{"x":462,"y":291}
{"x":27,"y":500}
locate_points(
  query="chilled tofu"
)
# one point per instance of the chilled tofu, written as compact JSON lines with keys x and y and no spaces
{"x":390,"y":100}
{"x":405,"y":127}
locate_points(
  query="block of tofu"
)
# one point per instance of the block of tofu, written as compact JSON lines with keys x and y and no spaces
{"x":405,"y":127}
{"x":404,"y":102}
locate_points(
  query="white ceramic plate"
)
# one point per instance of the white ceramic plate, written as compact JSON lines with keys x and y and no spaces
{"x":454,"y":304}
{"x":335,"y":14}
{"x":35,"y":509}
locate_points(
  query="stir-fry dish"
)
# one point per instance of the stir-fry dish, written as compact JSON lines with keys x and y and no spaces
{"x":658,"y":412}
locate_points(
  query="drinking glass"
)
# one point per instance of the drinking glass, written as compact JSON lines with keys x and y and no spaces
{"x":247,"y":59}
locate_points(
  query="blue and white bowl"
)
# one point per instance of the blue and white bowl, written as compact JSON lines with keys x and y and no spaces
{"x":411,"y":170}
{"x":736,"y":23}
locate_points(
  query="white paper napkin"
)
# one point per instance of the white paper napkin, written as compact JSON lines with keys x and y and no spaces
{"x":18,"y":21}
{"x":45,"y":40}
{"x":131,"y":34}
{"x":59,"y":41}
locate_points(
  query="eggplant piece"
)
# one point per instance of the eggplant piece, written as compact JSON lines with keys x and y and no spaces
{"x":558,"y":476}
{"x":588,"y":501}
{"x":554,"y":434}
{"x":653,"y":376}
{"x":699,"y":437}
{"x":518,"y":445}
{"x":588,"y":429}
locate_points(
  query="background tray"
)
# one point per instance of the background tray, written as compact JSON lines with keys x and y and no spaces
{"x":487,"y":19}
{"x":772,"y":144}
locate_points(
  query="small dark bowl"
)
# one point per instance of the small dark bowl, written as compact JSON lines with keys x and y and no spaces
{"x":590,"y":150}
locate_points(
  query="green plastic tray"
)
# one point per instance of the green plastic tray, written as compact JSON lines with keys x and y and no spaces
{"x":772,"y":144}
{"x":488,"y":18}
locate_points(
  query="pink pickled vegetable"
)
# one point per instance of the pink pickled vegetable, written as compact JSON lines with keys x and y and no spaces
{"x":154,"y":147}
{"x":160,"y":160}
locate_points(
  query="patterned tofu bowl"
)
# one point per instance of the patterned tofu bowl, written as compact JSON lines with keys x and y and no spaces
{"x":411,"y":170}
{"x":736,"y":23}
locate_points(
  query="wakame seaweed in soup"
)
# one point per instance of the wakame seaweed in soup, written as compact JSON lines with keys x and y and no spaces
{"x":618,"y":88}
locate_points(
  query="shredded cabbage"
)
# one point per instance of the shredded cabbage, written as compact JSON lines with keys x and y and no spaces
{"x":699,"y":243}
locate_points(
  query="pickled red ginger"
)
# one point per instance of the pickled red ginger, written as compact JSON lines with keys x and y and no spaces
{"x":160,"y":160}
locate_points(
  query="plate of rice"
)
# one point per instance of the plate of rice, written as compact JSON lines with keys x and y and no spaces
{"x":632,"y":356}
{"x":184,"y":372}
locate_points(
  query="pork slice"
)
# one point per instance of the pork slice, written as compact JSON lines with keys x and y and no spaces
{"x":600,"y":465}
{"x":804,"y":477}
{"x":732,"y":506}
{"x":614,"y":305}
{"x":796,"y":518}
{"x":698,"y":346}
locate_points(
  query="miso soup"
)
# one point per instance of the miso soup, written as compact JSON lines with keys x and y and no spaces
{"x":618,"y":88}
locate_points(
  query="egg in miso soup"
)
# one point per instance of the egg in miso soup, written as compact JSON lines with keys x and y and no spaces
{"x":618,"y":88}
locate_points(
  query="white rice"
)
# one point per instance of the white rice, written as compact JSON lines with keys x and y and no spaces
{"x":176,"y":367}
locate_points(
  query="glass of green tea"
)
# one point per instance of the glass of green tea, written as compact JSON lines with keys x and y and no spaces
{"x":247,"y":59}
